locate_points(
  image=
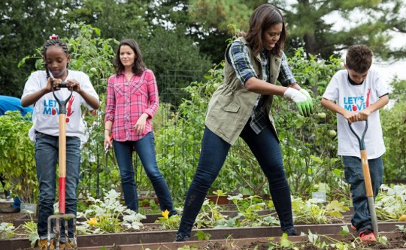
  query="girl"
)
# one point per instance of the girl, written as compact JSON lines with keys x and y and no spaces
{"x":45,"y":130}
{"x":132,"y":101}
{"x":240,"y":107}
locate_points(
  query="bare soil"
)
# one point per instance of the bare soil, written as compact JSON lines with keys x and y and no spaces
{"x":9,"y":217}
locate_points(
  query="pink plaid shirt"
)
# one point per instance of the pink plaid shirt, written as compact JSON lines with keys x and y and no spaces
{"x":127,"y":101}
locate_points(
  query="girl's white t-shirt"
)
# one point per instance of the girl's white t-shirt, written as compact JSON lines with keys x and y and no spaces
{"x":355,"y":98}
{"x":46,"y":109}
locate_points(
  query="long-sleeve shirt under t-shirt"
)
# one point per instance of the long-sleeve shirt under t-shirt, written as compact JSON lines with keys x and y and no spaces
{"x":128,"y":100}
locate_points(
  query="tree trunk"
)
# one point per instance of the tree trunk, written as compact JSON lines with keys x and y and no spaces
{"x":311,"y":46}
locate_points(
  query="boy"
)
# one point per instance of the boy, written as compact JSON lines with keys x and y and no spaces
{"x":359,"y":93}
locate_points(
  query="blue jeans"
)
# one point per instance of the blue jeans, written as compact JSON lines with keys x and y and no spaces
{"x":266,"y":150}
{"x":46,"y":157}
{"x":145,"y":149}
{"x":361,"y":218}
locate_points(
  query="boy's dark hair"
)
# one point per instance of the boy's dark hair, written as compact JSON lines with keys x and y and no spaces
{"x":53,"y":41}
{"x":359,"y":58}
{"x":263,"y":17}
{"x":138,"y":66}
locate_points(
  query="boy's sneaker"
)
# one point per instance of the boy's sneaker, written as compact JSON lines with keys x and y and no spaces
{"x":291,"y":231}
{"x":43,"y":244}
{"x":353,"y":227}
{"x":367,"y":236}
{"x":180,"y":238}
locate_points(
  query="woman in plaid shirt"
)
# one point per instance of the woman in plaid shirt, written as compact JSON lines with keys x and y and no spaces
{"x":132,"y":101}
{"x":241,"y":106}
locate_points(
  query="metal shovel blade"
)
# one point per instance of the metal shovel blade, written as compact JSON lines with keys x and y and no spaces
{"x":371,"y":206}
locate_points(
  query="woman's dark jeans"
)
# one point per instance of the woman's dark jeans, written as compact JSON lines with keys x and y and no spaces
{"x":265,"y":148}
{"x":145,"y":149}
{"x":354,"y":175}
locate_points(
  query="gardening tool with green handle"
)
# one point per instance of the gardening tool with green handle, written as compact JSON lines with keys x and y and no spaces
{"x":367,"y":177}
{"x":62,"y":177}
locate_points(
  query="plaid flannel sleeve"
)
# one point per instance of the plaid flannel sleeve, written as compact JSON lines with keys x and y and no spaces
{"x":286,"y":76}
{"x":239,"y":60}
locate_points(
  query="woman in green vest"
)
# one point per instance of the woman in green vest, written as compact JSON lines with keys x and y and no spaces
{"x":240,"y":107}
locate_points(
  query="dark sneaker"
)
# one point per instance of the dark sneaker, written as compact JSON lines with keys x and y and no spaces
{"x":291,"y":231}
{"x":180,"y":238}
{"x":172,"y":214}
{"x":367,"y":236}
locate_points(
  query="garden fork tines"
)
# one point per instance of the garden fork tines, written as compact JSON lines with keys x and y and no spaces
{"x":57,"y":221}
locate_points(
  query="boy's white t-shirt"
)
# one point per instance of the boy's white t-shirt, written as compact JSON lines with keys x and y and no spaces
{"x":355,"y":98}
{"x":46,"y":109}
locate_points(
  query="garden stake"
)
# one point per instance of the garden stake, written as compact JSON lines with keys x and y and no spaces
{"x":62,"y":181}
{"x":367,"y":177}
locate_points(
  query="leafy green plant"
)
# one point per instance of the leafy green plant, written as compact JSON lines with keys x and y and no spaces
{"x":17,"y":159}
{"x":284,"y":243}
{"x":248,"y":213}
{"x":310,"y":212}
{"x":188,"y":247}
{"x":108,"y":216}
{"x":6,"y":230}
{"x":30,"y":228}
{"x":309,"y":150}
{"x":336,"y":208}
{"x":401,"y":228}
{"x":167,"y":222}
{"x":391,"y":203}
{"x":394,"y":131}
{"x":209,"y":215}
{"x":202,"y":235}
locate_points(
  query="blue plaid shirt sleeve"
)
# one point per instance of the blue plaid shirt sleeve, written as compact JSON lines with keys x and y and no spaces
{"x":239,"y":60}
{"x":285,"y":75}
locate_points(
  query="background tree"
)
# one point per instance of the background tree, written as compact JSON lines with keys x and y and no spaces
{"x":364,"y":21}
{"x":175,"y":60}
{"x":24,"y":26}
{"x":116,"y":19}
{"x":372,"y":22}
{"x":209,"y":23}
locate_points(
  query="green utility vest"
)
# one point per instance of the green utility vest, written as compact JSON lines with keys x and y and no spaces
{"x":232,"y":104}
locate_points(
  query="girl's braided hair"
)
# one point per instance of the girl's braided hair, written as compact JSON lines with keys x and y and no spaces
{"x":53,"y":41}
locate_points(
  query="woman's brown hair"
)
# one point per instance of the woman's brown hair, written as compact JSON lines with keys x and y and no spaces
{"x":263,"y":17}
{"x":138,"y":66}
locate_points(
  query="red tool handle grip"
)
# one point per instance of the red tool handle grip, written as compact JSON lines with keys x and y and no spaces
{"x":62,"y":182}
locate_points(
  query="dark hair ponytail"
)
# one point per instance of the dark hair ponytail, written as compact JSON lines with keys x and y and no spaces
{"x":53,"y":41}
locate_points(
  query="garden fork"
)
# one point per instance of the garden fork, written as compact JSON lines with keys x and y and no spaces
{"x":62,"y":180}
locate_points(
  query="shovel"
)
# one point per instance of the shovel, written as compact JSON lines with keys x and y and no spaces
{"x":62,"y":179}
{"x":367,"y":177}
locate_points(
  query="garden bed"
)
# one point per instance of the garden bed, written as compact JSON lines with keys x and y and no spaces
{"x":139,"y":240}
